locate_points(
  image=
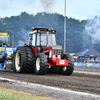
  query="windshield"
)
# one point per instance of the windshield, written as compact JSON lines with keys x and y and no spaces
{"x":41,"y":39}
{"x":51,"y":40}
{"x":4,"y":40}
{"x":44,"y":41}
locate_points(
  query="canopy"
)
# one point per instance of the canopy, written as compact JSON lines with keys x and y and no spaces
{"x":88,"y":52}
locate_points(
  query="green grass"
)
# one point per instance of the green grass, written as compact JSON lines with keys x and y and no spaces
{"x":17,"y":95}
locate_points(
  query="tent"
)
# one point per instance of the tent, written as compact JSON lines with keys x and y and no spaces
{"x":88,"y":52}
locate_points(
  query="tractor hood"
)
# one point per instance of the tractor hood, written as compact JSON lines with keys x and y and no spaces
{"x":56,"y":47}
{"x":52,"y":47}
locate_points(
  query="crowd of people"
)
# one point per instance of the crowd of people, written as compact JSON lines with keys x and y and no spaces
{"x":87,"y":60}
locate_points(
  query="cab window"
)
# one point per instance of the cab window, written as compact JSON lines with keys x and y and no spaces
{"x":33,"y":40}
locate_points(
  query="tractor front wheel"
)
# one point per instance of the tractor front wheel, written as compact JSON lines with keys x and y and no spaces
{"x":40,"y":64}
{"x":68,"y":70}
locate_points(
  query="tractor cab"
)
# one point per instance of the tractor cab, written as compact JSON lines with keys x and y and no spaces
{"x":42,"y":37}
{"x":4,"y":39}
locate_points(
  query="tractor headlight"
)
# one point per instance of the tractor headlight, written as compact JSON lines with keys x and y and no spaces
{"x":50,"y":53}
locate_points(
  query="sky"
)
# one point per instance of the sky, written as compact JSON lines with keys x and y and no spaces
{"x":78,"y":9}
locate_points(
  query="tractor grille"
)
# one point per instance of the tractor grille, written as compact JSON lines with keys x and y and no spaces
{"x":56,"y":53}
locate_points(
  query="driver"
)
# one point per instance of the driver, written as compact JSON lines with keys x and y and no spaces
{"x":43,"y":42}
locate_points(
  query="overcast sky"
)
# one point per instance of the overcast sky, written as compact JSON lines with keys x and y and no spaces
{"x":79,"y":9}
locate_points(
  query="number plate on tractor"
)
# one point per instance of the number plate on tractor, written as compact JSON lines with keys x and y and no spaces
{"x":62,"y":62}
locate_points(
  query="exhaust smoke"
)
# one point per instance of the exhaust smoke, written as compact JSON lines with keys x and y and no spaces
{"x":47,"y":5}
{"x":93,"y":29}
{"x":22,"y":37}
{"x":91,"y":34}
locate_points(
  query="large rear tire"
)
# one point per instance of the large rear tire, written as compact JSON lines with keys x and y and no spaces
{"x":40,"y":64}
{"x":30,"y":59}
{"x":24,"y":60}
{"x":68,"y":70}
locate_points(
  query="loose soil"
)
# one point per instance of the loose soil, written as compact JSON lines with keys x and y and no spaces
{"x":77,"y":81}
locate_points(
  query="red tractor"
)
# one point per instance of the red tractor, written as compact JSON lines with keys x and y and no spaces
{"x":42,"y":54}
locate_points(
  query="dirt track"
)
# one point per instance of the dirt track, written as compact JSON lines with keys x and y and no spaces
{"x":77,"y":81}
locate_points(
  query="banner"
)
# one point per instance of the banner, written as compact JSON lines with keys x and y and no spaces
{"x":87,"y":64}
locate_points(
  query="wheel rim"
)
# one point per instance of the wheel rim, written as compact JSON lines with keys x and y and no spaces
{"x":64,"y":68}
{"x":38,"y":64}
{"x":17,"y":60}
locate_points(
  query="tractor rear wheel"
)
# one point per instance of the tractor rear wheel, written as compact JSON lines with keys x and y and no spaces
{"x":40,"y":64}
{"x":24,"y":60}
{"x":68,"y":70}
{"x":30,"y":59}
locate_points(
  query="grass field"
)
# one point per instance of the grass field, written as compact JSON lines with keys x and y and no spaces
{"x":7,"y":94}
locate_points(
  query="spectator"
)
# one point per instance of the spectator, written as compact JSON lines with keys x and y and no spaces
{"x":88,"y":60}
{"x":92,"y":60}
{"x":96,"y":60}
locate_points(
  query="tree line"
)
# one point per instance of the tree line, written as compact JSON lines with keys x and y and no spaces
{"x":20,"y":26}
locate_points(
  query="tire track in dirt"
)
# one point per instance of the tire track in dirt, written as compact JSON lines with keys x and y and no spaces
{"x":78,"y":82}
